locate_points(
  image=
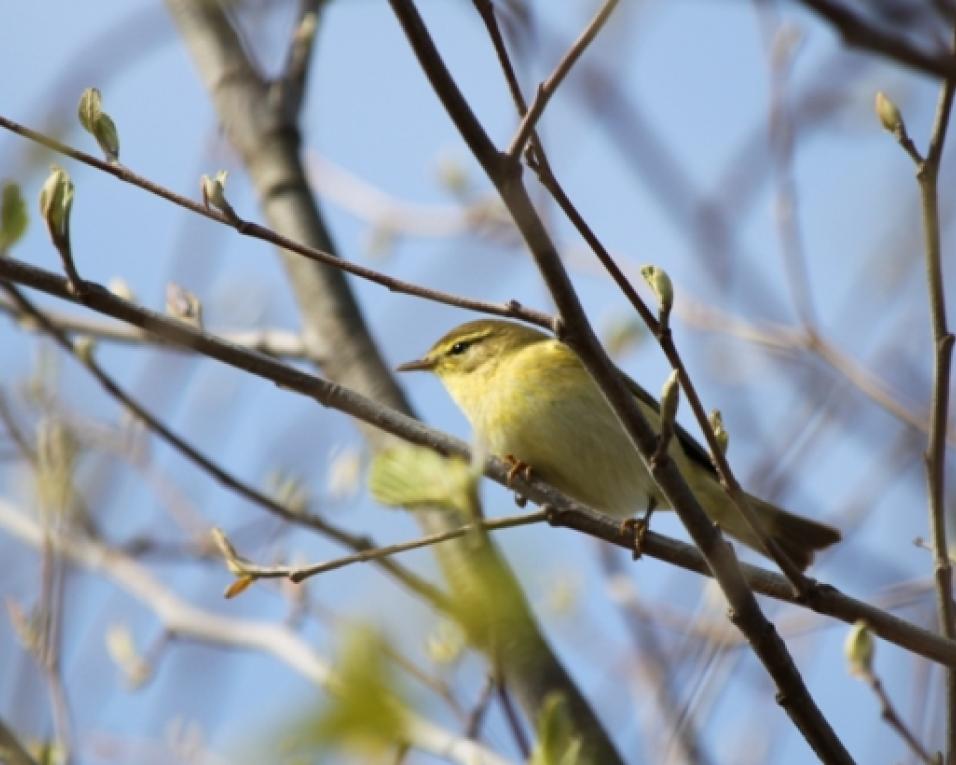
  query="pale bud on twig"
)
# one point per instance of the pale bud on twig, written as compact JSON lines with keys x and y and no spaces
{"x":183,"y":304}
{"x":859,"y":649}
{"x":84,"y":346}
{"x":214,"y":193}
{"x":306,"y":28}
{"x":889,"y":114}
{"x":56,"y":202}
{"x":716,"y":420}
{"x":119,"y":287}
{"x":237,"y":565}
{"x":658,"y":280}
{"x":98,"y":123}
{"x":670,"y":398}
{"x":122,"y":650}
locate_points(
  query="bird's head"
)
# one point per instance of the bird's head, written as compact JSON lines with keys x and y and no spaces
{"x":472,"y":352}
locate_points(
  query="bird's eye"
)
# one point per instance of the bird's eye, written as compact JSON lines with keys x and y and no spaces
{"x":458,"y":348}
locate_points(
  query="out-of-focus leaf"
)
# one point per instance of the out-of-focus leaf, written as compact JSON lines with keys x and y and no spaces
{"x":365,"y":713}
{"x":411,"y":476}
{"x":13,"y":216}
{"x":557,"y":743}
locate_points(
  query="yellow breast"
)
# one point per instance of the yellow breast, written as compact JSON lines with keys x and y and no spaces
{"x":540,"y":405}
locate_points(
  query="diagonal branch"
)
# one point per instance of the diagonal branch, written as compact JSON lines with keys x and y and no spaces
{"x":547,"y":88}
{"x":858,"y":33}
{"x":289,"y":88}
{"x":565,"y":513}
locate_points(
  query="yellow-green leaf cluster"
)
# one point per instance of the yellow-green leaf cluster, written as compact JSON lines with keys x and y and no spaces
{"x":414,"y":477}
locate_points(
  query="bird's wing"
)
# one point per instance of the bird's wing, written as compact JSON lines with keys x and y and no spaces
{"x":691,"y":446}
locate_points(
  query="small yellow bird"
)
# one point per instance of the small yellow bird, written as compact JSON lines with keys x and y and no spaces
{"x":530,"y":400}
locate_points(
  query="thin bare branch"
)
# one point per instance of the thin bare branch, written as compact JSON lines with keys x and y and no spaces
{"x":512,"y":309}
{"x":289,"y":88}
{"x":858,"y":33}
{"x":891,"y":717}
{"x":273,"y":342}
{"x":301,"y":573}
{"x":928,"y":177}
{"x":547,"y":88}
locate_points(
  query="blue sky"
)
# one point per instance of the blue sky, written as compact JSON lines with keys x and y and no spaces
{"x":697,"y":75}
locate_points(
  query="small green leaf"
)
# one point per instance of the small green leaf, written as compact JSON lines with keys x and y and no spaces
{"x":56,"y":202}
{"x":13,"y":216}
{"x":98,"y":123}
{"x":91,"y":106}
{"x":107,"y":136}
{"x":658,"y":280}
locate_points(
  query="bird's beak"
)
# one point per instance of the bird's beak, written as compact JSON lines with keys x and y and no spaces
{"x":419,"y":365}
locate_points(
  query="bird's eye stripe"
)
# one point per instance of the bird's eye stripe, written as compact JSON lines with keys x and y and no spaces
{"x":459,"y":347}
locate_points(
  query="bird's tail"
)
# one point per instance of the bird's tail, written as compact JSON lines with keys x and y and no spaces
{"x":797,"y":536}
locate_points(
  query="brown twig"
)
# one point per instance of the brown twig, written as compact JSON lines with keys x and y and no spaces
{"x":289,"y":88}
{"x":927,"y":175}
{"x":547,"y":88}
{"x":512,"y":309}
{"x":891,"y":717}
{"x":511,"y":714}
{"x":301,"y":573}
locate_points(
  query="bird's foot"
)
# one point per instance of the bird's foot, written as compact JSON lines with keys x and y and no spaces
{"x":517,"y":468}
{"x":636,"y":529}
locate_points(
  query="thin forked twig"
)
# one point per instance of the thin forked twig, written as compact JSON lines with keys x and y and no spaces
{"x":547,"y":88}
{"x":891,"y":717}
{"x":301,"y":573}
